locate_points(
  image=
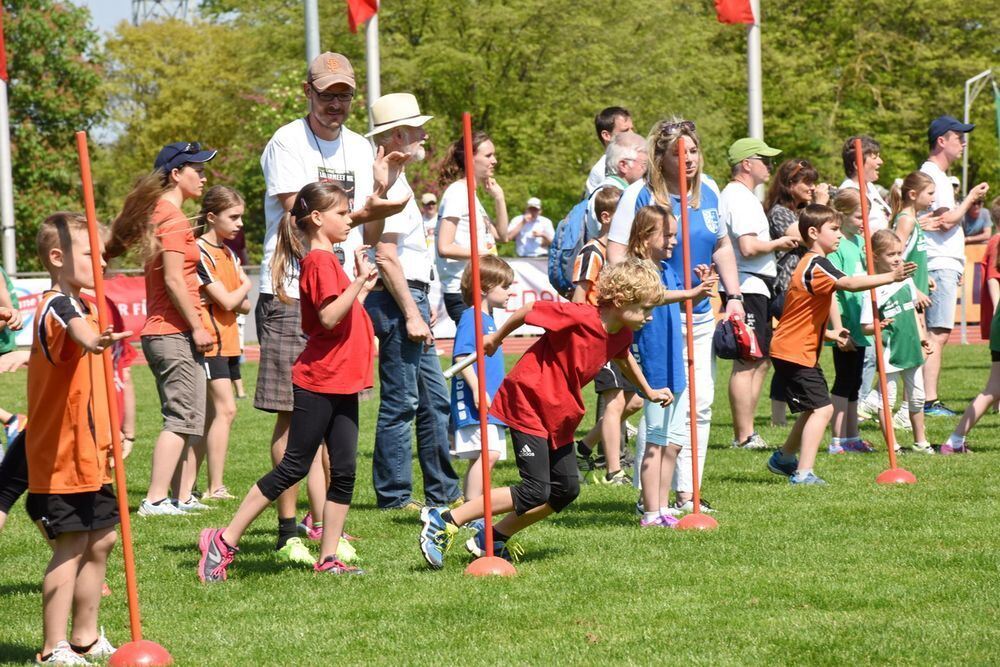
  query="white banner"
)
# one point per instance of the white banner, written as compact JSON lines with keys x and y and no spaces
{"x":531,"y":283}
{"x":28,"y":292}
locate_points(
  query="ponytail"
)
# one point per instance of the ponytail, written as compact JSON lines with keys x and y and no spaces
{"x":290,"y":249}
{"x":131,"y":229}
{"x":916,"y":181}
{"x":453,"y":166}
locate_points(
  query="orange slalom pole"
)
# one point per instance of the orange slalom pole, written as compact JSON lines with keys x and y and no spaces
{"x":894,"y":475}
{"x":696,"y":520}
{"x":489,"y":564}
{"x":135,"y":624}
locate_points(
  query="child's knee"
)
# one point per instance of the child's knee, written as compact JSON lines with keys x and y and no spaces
{"x":102,"y":542}
{"x":564,"y":491}
{"x":531,"y":493}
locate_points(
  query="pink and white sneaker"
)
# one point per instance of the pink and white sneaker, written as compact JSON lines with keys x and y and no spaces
{"x":216,"y":556}
{"x":948,"y":450}
{"x":660,"y":521}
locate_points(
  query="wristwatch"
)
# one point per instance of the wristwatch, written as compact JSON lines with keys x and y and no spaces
{"x":735,"y":297}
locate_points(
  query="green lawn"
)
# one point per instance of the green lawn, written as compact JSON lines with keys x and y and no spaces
{"x":847,"y":574}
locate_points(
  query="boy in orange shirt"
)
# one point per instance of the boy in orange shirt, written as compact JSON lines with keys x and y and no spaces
{"x":69,"y":490}
{"x":797,"y":343}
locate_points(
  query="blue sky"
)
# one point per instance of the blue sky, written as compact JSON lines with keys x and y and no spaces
{"x":107,"y":13}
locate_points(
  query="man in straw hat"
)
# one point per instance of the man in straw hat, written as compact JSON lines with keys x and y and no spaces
{"x":410,"y":379}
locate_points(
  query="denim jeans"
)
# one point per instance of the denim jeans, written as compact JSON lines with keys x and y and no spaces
{"x":412,"y":389}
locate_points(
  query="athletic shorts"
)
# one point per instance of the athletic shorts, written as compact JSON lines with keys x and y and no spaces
{"x":180,"y":381}
{"x":611,"y":377}
{"x":547,"y":475}
{"x":222,"y":368}
{"x":662,"y":421}
{"x":805,"y":387}
{"x":944,"y":298}
{"x":279,"y":332}
{"x":468,"y":443}
{"x":758,"y":317}
{"x":74,"y":512}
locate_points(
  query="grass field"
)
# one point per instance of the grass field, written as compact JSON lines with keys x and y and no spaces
{"x":847,"y":574}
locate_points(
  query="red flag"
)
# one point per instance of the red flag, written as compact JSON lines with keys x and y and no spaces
{"x":734,"y":11}
{"x":3,"y":50}
{"x":359,"y":11}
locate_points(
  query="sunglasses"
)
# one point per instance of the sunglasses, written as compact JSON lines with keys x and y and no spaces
{"x":680,"y":126}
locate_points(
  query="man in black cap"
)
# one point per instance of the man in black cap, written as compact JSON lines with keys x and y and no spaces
{"x":945,"y":247}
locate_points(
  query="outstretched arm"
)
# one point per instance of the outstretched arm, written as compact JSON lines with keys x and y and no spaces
{"x":492,"y":341}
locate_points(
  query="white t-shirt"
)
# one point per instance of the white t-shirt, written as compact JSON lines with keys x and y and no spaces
{"x":945,"y":247}
{"x":596,"y":176}
{"x":878,"y":210}
{"x":525,"y":245}
{"x":414,"y":255}
{"x":295,"y":157}
{"x":743,"y":214}
{"x":455,"y":204}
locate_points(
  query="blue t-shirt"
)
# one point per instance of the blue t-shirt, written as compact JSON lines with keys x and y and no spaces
{"x":463,"y":407}
{"x":658,"y":346}
{"x":705,"y":233}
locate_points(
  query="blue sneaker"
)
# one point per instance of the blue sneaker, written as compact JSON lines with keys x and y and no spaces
{"x":477,"y":547}
{"x":436,"y":536}
{"x":779,"y":467}
{"x":938,"y":409}
{"x":476,"y":525}
{"x":808,"y":479}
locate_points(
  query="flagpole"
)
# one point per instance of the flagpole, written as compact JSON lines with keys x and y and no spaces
{"x":6,"y":177}
{"x":755,"y":92}
{"x":374,"y":65}
{"x":312,"y":29}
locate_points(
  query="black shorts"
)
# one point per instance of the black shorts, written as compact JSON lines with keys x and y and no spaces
{"x":611,"y":377}
{"x":222,"y":368}
{"x":74,"y":512}
{"x":547,"y":475}
{"x":13,"y":473}
{"x":758,"y":317}
{"x":848,"y":367}
{"x":804,"y":386}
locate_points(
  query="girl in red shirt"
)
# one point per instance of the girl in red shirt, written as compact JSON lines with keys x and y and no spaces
{"x":334,"y":367}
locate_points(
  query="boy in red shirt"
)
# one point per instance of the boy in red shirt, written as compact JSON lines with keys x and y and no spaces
{"x":69,"y":490}
{"x":797,"y":343}
{"x":542,"y":403}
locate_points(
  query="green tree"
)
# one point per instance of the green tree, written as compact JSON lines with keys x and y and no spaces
{"x":55,"y":75}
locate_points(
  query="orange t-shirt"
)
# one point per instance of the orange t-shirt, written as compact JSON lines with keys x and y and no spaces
{"x":219,"y":264}
{"x":175,"y":235}
{"x":69,"y":441}
{"x":799,"y":337}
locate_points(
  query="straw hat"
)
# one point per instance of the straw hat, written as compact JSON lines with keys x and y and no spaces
{"x":395,"y":110}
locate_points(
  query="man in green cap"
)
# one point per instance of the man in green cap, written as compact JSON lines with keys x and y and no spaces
{"x":744,"y":217}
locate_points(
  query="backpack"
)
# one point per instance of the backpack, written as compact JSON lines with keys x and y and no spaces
{"x":571,"y":234}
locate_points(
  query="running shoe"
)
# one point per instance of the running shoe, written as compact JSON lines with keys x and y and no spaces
{"x":332,"y":565}
{"x":101,"y":650}
{"x":13,"y":426}
{"x":659,"y":521}
{"x":308,"y":529}
{"x":858,"y":446}
{"x":221,"y":493}
{"x":922,"y":448}
{"x":688,"y":507}
{"x":62,"y":654}
{"x":476,"y":525}
{"x":901,"y":420}
{"x":436,"y":536}
{"x":584,"y":463}
{"x":619,"y":478}
{"x":216,"y":556}
{"x":938,"y":409}
{"x":947,"y":449}
{"x":779,"y":467}
{"x":295,"y":551}
{"x":162,"y":508}
{"x":630,"y":431}
{"x":346,"y":551}
{"x":835,"y":449}
{"x":809,"y":479}
{"x":476,"y":545}
{"x":192,"y":504}
{"x":754,"y":443}
{"x":456,"y":503}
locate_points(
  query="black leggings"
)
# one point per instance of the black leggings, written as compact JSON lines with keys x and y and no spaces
{"x":547,"y":475}
{"x":848,"y":367}
{"x":13,"y":473}
{"x":315,"y":418}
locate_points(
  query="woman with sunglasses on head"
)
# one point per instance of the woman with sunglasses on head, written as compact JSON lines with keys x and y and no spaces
{"x":793,"y":186}
{"x":710,"y":244}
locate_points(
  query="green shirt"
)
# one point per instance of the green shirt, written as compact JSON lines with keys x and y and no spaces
{"x":8,"y":342}
{"x":901,"y":339}
{"x":916,"y":251}
{"x":850,"y":259}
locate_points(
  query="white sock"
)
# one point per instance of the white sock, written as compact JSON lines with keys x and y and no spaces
{"x":803,"y":473}
{"x":837,"y":442}
{"x":665,"y":510}
{"x":649,"y":516}
{"x":956,"y":440}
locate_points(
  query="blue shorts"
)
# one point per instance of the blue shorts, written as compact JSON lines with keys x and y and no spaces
{"x":944,"y":297}
{"x":661,"y":422}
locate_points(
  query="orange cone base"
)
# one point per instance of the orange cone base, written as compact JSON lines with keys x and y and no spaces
{"x":142,"y":653}
{"x":490,"y":566}
{"x":896,"y":476}
{"x":697,"y":521}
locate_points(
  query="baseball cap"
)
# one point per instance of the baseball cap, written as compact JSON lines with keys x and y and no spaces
{"x":748,"y":147}
{"x":329,"y":68}
{"x":944,"y":124}
{"x":534,"y":202}
{"x":180,"y":153}
{"x":428,"y":198}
